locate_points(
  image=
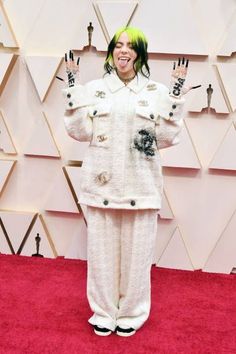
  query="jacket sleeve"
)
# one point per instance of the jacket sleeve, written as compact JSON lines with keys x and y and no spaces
{"x":77,"y":121}
{"x":170,"y":120}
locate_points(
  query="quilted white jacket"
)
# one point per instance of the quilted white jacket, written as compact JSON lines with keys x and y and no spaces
{"x":126,"y":126}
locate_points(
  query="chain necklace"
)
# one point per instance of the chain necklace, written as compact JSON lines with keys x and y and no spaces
{"x":128,"y":80}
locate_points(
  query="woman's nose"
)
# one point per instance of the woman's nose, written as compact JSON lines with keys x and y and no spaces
{"x":124,"y":49}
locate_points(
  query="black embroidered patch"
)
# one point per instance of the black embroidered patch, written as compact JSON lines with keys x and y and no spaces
{"x":144,"y":141}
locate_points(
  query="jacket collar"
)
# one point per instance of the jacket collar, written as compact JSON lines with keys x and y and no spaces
{"x":114,"y":83}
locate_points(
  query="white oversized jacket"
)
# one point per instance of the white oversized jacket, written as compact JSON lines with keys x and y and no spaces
{"x":126,"y":126}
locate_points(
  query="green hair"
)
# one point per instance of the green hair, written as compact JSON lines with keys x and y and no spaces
{"x":139,"y":44}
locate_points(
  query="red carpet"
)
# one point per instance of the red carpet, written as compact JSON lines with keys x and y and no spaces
{"x":44,"y":310}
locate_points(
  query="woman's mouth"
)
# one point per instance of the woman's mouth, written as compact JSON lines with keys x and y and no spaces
{"x":123,"y":61}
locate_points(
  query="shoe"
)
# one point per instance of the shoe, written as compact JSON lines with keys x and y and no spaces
{"x":101,"y":331}
{"x":125,"y":332}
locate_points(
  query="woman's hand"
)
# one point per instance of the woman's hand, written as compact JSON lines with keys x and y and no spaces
{"x":178,"y":77}
{"x":72,"y":69}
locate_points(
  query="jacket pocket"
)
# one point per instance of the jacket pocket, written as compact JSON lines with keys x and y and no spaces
{"x":147,"y":113}
{"x":100,"y":115}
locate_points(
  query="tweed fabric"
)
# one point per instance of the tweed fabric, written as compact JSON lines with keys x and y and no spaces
{"x":125,"y":126}
{"x":120,"y":254}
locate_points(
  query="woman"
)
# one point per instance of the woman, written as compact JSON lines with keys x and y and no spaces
{"x":126,"y":118}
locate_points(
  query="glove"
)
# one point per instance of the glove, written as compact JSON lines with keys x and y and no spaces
{"x":178,"y":77}
{"x":72,"y":69}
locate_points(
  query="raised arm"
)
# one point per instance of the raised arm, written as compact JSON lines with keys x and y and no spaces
{"x":171,"y":106}
{"x":77,"y":102}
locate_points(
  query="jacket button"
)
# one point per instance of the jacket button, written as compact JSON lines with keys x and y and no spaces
{"x":95,"y":112}
{"x":105,"y":202}
{"x":70,"y":104}
{"x":68,"y":95}
{"x":173,"y":106}
{"x":171,"y":114}
{"x":152,"y":116}
{"x":132,"y":202}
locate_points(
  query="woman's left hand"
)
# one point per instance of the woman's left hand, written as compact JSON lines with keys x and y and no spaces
{"x":178,"y":77}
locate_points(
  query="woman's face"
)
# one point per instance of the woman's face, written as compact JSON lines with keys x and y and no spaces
{"x":124,"y":57}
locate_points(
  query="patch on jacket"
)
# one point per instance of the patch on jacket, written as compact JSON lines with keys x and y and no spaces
{"x":143,"y":103}
{"x":151,"y":87}
{"x":144,"y":142}
{"x":100,"y":94}
{"x":103,"y":178}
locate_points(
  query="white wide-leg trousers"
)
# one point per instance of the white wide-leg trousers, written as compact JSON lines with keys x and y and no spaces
{"x":120,"y":255}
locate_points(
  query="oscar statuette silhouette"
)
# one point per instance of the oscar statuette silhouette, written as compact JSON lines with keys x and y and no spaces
{"x":37,"y":240}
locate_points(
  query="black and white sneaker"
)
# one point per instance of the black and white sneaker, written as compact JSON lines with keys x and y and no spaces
{"x":125,"y":332}
{"x":101,"y":331}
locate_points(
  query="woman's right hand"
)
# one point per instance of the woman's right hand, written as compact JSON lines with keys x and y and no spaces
{"x":72,"y":69}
